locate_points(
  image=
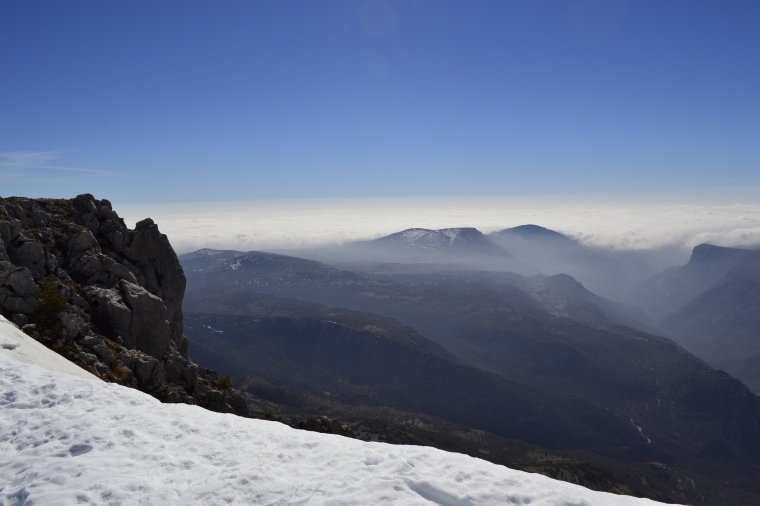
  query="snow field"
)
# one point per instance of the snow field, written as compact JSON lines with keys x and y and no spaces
{"x":67,"y":440}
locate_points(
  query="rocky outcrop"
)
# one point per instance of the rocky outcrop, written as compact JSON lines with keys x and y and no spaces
{"x":326,"y":426}
{"x":109,"y":298}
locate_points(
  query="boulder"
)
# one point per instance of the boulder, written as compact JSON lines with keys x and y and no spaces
{"x":30,"y":254}
{"x":17,"y":289}
{"x":110,"y":314}
{"x":39,"y":217}
{"x":19,"y":279}
{"x":148,"y":372}
{"x":173,"y":367}
{"x":71,"y":326}
{"x":83,"y":240}
{"x":149,"y":328}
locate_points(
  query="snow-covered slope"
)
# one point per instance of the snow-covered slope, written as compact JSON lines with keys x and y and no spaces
{"x":68,"y":440}
{"x":22,"y":348}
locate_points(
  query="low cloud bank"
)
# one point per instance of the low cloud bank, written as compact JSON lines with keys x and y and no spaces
{"x":608,"y":223}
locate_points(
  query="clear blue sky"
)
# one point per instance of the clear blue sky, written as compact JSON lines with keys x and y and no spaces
{"x":184,"y":101}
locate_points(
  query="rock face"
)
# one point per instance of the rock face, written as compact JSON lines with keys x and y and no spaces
{"x":326,"y":426}
{"x":107,"y":297}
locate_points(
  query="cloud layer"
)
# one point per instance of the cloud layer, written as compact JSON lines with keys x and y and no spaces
{"x":610,"y":223}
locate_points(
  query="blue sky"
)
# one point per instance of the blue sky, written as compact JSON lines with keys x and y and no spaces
{"x":189,"y":101}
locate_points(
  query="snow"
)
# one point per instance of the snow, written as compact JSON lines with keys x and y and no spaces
{"x":430,"y":239}
{"x":67,"y":440}
{"x":413,"y":234}
{"x":22,"y":348}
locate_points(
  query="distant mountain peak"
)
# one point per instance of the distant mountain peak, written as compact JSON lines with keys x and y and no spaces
{"x":710,"y":253}
{"x":533,"y":232}
{"x":434,"y":239}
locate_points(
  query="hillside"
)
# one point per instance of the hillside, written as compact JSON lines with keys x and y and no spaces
{"x":359,"y":358}
{"x":710,"y":306}
{"x":695,"y":413}
{"x":605,"y":272}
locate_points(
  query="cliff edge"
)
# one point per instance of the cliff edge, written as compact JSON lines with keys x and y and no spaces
{"x":74,"y":277}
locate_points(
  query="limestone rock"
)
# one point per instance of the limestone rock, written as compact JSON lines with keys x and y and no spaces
{"x":71,"y":326}
{"x":149,"y":327}
{"x":99,"y":269}
{"x":149,"y":373}
{"x":30,"y":254}
{"x":147,"y":243}
{"x":110,"y":313}
{"x":17,"y":289}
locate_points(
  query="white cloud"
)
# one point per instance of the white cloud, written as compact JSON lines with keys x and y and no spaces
{"x":606,"y":222}
{"x":39,"y":167}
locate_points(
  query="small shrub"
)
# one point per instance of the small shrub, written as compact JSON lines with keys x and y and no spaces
{"x":51,"y":301}
{"x":122,"y":372}
{"x":225,"y":382}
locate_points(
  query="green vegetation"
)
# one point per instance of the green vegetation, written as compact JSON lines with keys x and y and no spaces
{"x":225,"y":383}
{"x":51,"y":302}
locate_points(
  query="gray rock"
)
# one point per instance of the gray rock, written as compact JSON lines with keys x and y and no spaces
{"x":39,"y":217}
{"x":17,"y":289}
{"x":126,"y":358}
{"x":52,"y":263}
{"x":101,"y":368}
{"x":148,"y":372}
{"x":190,"y":377}
{"x":235,"y":400}
{"x":71,"y":326}
{"x":173,"y":368}
{"x":110,"y":313}
{"x":83,"y":241}
{"x":215,"y":396}
{"x":100,"y":269}
{"x":173,"y":397}
{"x":149,"y":328}
{"x":29,"y":254}
{"x":15,"y":211}
{"x":211,"y":375}
{"x":101,"y":351}
{"x":20,"y":320}
{"x":146,"y":243}
{"x":87,"y":358}
{"x":20,"y":280}
{"x":10,"y":228}
{"x":79,"y":301}
{"x":91,"y":341}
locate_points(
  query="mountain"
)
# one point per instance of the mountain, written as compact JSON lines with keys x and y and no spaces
{"x":536,"y":232}
{"x":360,"y":358}
{"x":604,"y":272}
{"x":206,"y":258}
{"x":563,"y":296}
{"x":698,"y":415}
{"x":78,"y":440}
{"x":452,"y":241}
{"x":662,"y":294}
{"x":710,"y":306}
{"x":458,"y":248}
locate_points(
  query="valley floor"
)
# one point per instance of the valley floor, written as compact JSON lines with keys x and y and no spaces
{"x":72,"y":440}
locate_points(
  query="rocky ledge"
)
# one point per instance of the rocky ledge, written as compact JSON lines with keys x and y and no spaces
{"x":108,"y":298}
